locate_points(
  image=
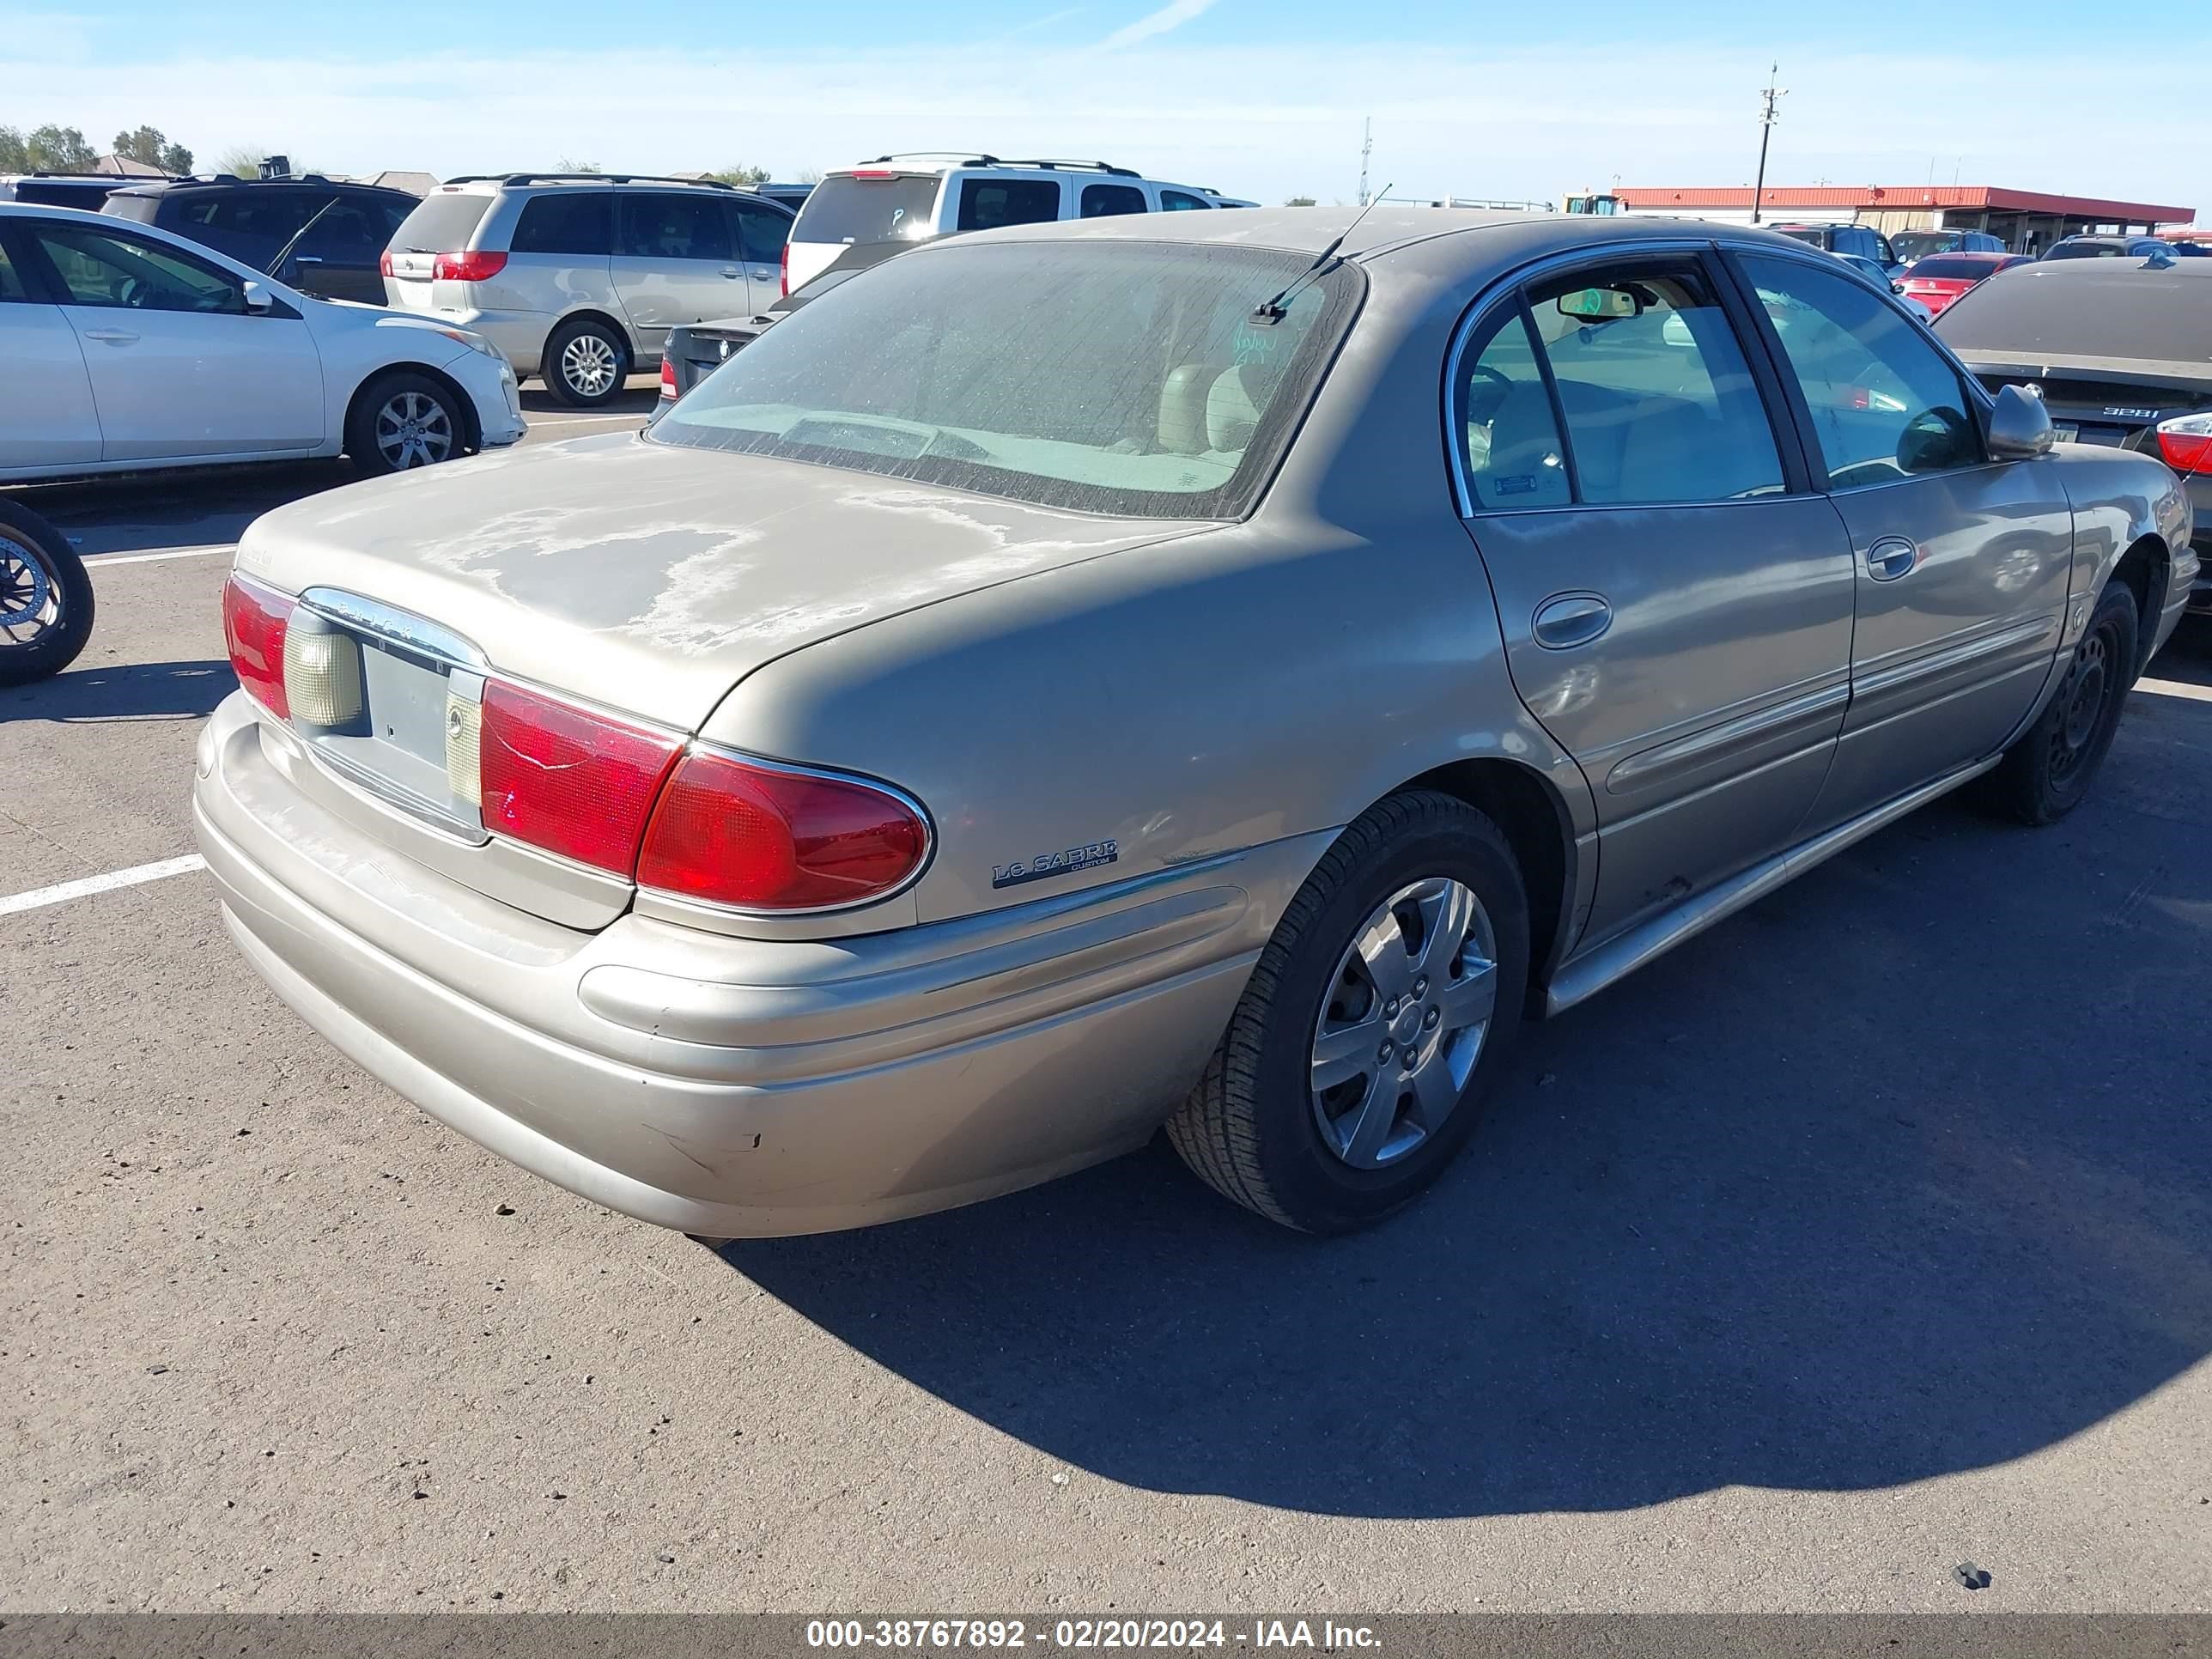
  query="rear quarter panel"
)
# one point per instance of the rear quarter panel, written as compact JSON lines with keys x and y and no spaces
{"x":2119,"y":497}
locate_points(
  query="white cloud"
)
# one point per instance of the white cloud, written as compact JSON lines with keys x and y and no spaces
{"x":1172,"y":16}
{"x":1262,"y":120}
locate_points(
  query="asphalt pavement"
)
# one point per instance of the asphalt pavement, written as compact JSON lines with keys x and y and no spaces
{"x":1867,"y":1235}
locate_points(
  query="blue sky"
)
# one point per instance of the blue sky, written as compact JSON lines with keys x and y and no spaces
{"x":1261,"y":98}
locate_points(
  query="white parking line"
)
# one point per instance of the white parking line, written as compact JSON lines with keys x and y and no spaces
{"x":2176,"y":688}
{"x":101,"y":560}
{"x":582,"y":420}
{"x":39,"y":897}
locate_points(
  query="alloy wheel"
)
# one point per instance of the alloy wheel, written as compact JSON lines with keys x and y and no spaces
{"x":413,"y":429}
{"x":1403,"y":1022}
{"x":589,"y":364}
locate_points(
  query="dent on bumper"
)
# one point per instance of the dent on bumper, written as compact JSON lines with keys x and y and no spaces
{"x":739,"y":1086}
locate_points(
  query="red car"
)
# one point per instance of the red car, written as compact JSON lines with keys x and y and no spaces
{"x":1941,"y":279}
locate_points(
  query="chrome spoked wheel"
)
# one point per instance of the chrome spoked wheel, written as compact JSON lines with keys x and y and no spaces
{"x":590,"y":365}
{"x":30,"y":598}
{"x":413,"y":429}
{"x":2091,"y":682}
{"x":1403,"y":1022}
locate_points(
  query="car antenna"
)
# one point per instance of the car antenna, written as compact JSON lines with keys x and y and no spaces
{"x":1275,"y":310}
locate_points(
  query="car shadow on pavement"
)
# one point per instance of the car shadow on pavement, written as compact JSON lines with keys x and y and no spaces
{"x":1904,"y":1171}
{"x":130,"y":691}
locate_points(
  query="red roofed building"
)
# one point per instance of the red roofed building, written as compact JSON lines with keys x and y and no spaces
{"x":2026,"y":220}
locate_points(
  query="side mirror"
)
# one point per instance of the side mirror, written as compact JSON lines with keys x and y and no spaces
{"x":259,"y":302}
{"x":2019,"y":427}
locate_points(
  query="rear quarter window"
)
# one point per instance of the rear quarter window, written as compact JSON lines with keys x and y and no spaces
{"x":987,"y":203}
{"x":571,"y":222}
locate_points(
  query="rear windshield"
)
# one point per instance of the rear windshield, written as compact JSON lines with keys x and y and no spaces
{"x":1919,"y":244}
{"x":1818,"y":238}
{"x":443,"y":224}
{"x":2110,"y":308}
{"x":1126,"y":378}
{"x":1954,"y":265}
{"x":865,"y":212}
{"x":48,"y":193}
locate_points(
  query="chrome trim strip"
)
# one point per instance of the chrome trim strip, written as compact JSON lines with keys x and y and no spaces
{"x":1585,"y":976}
{"x":1654,"y":765}
{"x":394,"y":626}
{"x":1874,"y":681}
{"x":882,"y":785}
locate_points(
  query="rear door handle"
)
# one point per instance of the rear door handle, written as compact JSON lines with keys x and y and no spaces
{"x":1570,"y":619}
{"x":110,"y":336}
{"x":732,"y":270}
{"x":1891,"y":558}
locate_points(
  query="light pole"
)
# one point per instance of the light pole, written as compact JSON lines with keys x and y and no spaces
{"x":1765,"y":132}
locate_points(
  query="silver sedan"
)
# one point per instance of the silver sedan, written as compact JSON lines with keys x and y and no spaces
{"x":1216,"y":670}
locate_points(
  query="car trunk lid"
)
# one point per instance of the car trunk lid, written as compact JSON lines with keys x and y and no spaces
{"x":641,"y":580}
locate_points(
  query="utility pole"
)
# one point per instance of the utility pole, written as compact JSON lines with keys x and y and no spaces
{"x":1765,"y":132}
{"x":1366,"y":148}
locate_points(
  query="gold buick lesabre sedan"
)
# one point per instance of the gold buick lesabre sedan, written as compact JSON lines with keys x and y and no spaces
{"x":1221,"y":670}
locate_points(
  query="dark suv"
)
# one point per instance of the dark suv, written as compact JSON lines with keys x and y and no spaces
{"x":1864,"y":241}
{"x":322,"y":237}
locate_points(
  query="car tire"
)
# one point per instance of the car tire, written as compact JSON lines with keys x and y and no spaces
{"x":2049,"y":767}
{"x":401,"y":420}
{"x":587,"y":363}
{"x":45,"y":599}
{"x":1258,"y":1131}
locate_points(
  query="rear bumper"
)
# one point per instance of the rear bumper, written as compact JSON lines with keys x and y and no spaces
{"x":520,"y":335}
{"x":737,"y":1086}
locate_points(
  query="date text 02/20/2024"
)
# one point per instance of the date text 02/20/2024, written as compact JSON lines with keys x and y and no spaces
{"x":1076,"y":1634}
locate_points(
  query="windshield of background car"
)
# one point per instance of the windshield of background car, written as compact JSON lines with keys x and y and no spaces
{"x":2092,"y":308}
{"x":1122,"y":378}
{"x":864,"y":211}
{"x":443,"y":224}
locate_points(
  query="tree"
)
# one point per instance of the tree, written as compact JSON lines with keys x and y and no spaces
{"x":58,"y":149}
{"x":14,"y":154}
{"x":1299,"y":201}
{"x":810,"y":175}
{"x":568,"y":166}
{"x":152,"y":146}
{"x":740,"y":174}
{"x":242,"y":160}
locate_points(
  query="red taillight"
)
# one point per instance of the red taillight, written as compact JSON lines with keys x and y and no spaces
{"x":467,"y":267}
{"x":784,"y":286}
{"x":2186,"y":443}
{"x":871,"y":172}
{"x":384,"y":262}
{"x":667,"y":377}
{"x":762,"y":837}
{"x":254,"y":619}
{"x":568,"y":780}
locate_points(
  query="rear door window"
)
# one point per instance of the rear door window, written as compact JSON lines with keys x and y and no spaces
{"x":987,"y":203}
{"x":12,"y":286}
{"x":1659,"y":401}
{"x":1104,"y":201}
{"x":1180,"y":201}
{"x":675,"y":228}
{"x":864,"y":209}
{"x":568,"y":222}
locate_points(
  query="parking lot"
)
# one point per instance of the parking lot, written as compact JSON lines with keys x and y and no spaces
{"x":1869,"y":1236}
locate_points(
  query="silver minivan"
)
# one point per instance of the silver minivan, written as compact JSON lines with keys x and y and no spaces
{"x":577,"y":277}
{"x":920,"y":196}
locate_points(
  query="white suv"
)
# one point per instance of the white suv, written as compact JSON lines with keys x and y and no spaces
{"x":578,"y":277}
{"x":918,"y":195}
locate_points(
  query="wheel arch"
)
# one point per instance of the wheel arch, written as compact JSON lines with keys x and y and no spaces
{"x":620,"y":329}
{"x":471,"y":425}
{"x":1539,"y":829}
{"x":2146,"y":570}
